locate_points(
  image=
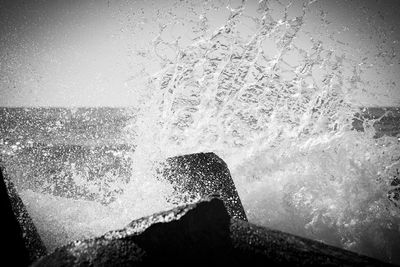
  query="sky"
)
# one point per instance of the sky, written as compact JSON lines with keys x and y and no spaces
{"x":95,"y":53}
{"x":61,"y":53}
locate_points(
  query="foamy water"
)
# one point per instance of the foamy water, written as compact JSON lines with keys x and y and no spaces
{"x":278,"y":111}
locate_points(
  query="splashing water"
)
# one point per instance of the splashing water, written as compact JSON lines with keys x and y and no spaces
{"x":277,"y":103}
{"x":281,"y":116}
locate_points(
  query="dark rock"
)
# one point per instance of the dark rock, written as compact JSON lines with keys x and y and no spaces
{"x":195,"y":233}
{"x":204,"y":174}
{"x":201,"y":234}
{"x":255,"y":246}
{"x":21,"y":242}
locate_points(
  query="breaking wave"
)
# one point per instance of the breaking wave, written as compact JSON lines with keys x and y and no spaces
{"x":279,"y":113}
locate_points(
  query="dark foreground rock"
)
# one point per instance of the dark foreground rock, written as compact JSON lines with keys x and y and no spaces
{"x":259,"y":246}
{"x":195,"y":233}
{"x":204,"y":174}
{"x":200,"y":234}
{"x":21,"y":242}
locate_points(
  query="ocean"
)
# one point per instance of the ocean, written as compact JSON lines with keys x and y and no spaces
{"x":74,"y":171}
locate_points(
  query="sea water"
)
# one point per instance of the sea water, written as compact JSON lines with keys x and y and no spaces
{"x":275,"y":101}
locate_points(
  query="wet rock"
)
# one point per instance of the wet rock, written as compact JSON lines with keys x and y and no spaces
{"x":204,"y":174}
{"x":195,"y":233}
{"x":21,"y":242}
{"x":200,"y":234}
{"x":258,"y":246}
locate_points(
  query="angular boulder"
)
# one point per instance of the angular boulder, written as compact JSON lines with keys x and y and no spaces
{"x":20,"y":236}
{"x":259,"y":246}
{"x":201,"y":234}
{"x":204,"y":174}
{"x":194,"y":233}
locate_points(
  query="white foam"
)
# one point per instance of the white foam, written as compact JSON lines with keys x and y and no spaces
{"x":285,"y":132}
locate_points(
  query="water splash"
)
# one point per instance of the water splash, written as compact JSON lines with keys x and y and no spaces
{"x":277,"y":102}
{"x":281,"y":116}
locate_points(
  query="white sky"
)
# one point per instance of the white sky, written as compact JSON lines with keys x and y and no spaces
{"x":85,"y":53}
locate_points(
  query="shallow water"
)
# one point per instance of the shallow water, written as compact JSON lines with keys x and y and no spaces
{"x":273,"y":90}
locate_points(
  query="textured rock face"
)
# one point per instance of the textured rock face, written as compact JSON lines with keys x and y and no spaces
{"x":258,"y":246}
{"x":195,"y":233}
{"x":204,"y":174}
{"x":200,"y":234}
{"x":19,"y":233}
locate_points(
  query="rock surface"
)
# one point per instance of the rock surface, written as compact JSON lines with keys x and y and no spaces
{"x":204,"y":174}
{"x":21,"y":242}
{"x":200,"y":234}
{"x":258,"y":246}
{"x":195,"y":233}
